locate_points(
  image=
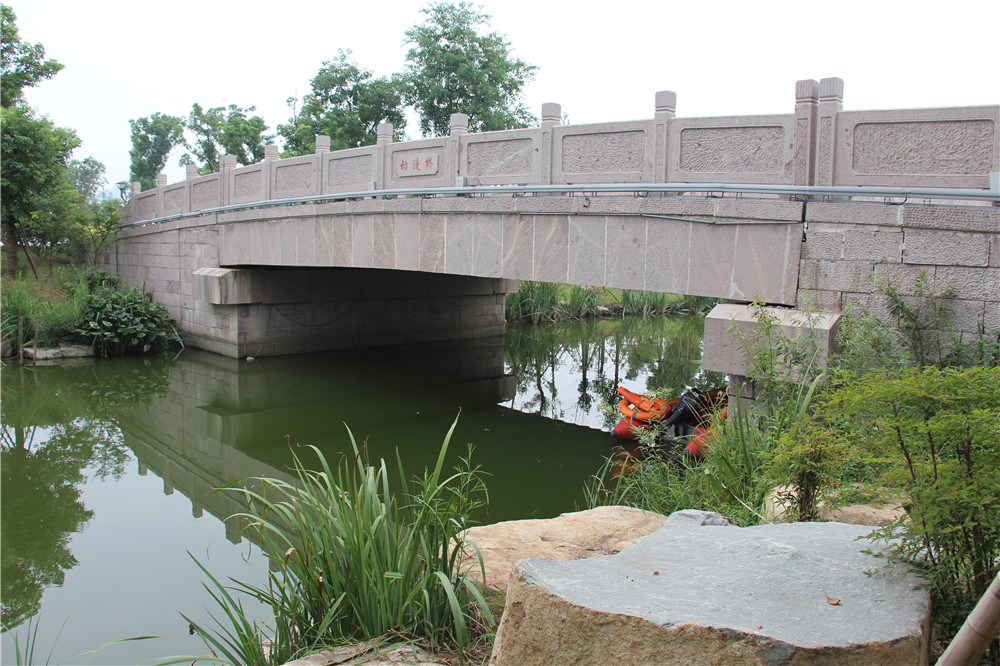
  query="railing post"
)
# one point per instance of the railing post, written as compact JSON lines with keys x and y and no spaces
{"x":226,"y":164}
{"x":551,"y":116}
{"x":384,"y":138}
{"x":319,"y":176}
{"x":161,"y":182}
{"x":666,"y":108}
{"x":804,"y":156}
{"x":831,"y":102}
{"x":458,"y":124}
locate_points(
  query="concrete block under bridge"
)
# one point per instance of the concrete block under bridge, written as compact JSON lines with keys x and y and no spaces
{"x":240,"y":312}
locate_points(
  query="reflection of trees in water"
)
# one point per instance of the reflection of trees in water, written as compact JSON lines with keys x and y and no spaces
{"x":58,"y":423}
{"x":662,"y":352}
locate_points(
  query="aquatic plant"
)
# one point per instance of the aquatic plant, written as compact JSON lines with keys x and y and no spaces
{"x":352,"y":560}
{"x":126,"y":322}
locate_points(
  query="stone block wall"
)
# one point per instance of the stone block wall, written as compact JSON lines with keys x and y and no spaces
{"x":850,"y":248}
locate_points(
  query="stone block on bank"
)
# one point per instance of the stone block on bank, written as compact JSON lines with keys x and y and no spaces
{"x":699,"y":591}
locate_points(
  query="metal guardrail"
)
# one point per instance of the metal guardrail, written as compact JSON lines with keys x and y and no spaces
{"x":890,"y":195}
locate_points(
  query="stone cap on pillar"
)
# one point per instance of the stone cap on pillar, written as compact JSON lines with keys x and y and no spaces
{"x":191,"y":171}
{"x":458,"y":124}
{"x":271,"y":152}
{"x":666,"y":102}
{"x":551,"y":113}
{"x":806,"y":90}
{"x":161,"y":179}
{"x":322,"y":143}
{"x":831,"y":90}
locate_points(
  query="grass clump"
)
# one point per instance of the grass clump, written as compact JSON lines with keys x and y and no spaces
{"x":352,"y":560}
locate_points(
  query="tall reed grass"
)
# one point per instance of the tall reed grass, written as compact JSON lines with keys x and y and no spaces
{"x":353,"y":560}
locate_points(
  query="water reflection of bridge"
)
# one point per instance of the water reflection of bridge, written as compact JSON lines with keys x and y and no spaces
{"x":223,"y":419}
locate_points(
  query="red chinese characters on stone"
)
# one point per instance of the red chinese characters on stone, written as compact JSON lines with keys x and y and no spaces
{"x":403,"y":165}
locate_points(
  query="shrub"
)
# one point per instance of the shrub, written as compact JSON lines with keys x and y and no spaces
{"x":126,"y":322}
{"x":351,"y":560}
{"x":933,"y":434}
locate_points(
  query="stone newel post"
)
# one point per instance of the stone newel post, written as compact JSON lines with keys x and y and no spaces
{"x":831,"y":102}
{"x":551,"y":117}
{"x":806,"y":100}
{"x":666,"y":108}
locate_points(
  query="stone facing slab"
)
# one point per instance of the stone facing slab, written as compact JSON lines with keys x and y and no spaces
{"x":700,"y":591}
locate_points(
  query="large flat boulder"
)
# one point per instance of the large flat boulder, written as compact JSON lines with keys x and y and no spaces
{"x":604,"y":530}
{"x":700,"y":591}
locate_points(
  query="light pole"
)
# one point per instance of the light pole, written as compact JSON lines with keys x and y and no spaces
{"x":122,"y":187}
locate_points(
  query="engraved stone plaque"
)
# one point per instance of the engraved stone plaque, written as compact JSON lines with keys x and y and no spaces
{"x":408,"y":163}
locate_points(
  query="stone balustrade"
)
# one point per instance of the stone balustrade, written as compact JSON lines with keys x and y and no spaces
{"x":817,"y":144}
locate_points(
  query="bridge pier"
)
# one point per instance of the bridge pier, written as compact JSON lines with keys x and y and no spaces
{"x":240,"y":312}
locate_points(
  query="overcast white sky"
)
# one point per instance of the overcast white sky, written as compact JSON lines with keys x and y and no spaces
{"x":602,"y":61}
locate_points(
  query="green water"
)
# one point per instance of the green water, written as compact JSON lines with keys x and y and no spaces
{"x":109,"y":467}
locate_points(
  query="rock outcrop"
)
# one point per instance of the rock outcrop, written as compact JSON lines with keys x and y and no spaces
{"x":604,"y":530}
{"x":700,"y":591}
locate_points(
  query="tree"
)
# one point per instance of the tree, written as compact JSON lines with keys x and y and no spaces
{"x":21,"y":65}
{"x":34,"y":154}
{"x":226,"y":131}
{"x":87,"y":177}
{"x":48,"y":229}
{"x":95,"y":231}
{"x":152,"y":140}
{"x":347,"y":105}
{"x":454,"y":68}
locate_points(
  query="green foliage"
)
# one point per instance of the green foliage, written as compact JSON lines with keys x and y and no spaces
{"x":730,"y":480}
{"x":226,"y":131}
{"x":96,"y":278}
{"x":582,"y":301}
{"x":125,"y":322}
{"x":153,"y":138}
{"x":34,"y":154}
{"x":921,"y":319}
{"x":22,"y":65}
{"x":56,"y":318}
{"x":353,"y":560}
{"x":778,"y":363}
{"x":933,"y":433}
{"x":533,"y":301}
{"x":87,"y":177}
{"x":347,"y":105}
{"x":453,"y":67}
{"x":700,"y":304}
{"x":643,"y":303}
{"x":95,"y":232}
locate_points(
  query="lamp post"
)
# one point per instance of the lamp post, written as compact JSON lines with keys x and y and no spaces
{"x":122,"y":187}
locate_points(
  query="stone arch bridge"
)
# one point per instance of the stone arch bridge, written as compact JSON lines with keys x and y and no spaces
{"x":420,"y":240}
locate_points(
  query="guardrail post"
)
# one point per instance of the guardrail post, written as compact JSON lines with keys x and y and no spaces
{"x":666,"y":108}
{"x":806,"y":109}
{"x":190,"y":171}
{"x":831,"y":102}
{"x":551,"y":116}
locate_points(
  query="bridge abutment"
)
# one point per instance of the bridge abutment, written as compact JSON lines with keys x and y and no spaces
{"x":275,"y":311}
